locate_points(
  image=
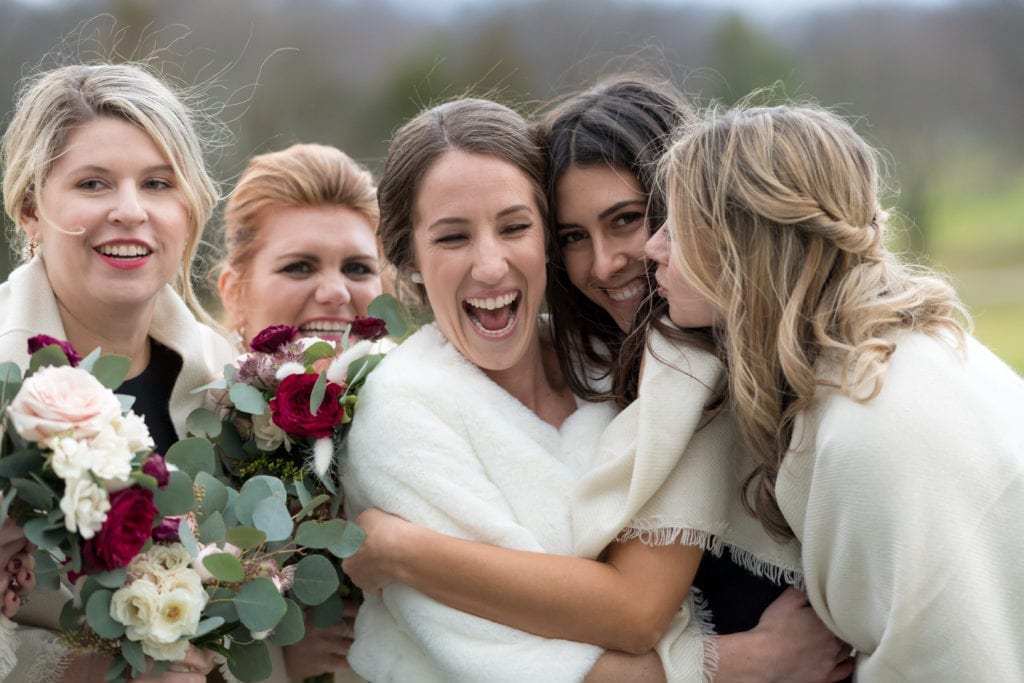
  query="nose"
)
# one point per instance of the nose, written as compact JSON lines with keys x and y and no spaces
{"x":332,"y":290}
{"x":608,"y":259}
{"x":489,"y":262}
{"x":657,"y":247}
{"x":128,"y":208}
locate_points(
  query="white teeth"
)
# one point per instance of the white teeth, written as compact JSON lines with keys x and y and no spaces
{"x":492,"y":303}
{"x":625,"y":294}
{"x":124,"y":250}
{"x":494,"y":333}
{"x":323,"y":326}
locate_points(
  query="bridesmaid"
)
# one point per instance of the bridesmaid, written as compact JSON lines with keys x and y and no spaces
{"x":104,"y":179}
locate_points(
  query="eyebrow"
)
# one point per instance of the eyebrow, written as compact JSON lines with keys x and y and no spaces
{"x":93,"y":168}
{"x":455,"y":220}
{"x":604,"y":214}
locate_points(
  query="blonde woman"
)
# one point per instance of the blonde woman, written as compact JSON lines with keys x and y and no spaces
{"x":105,"y":181}
{"x":300,"y":235}
{"x":890,"y":442}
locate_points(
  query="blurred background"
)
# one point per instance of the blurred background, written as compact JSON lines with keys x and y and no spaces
{"x":937,"y":84}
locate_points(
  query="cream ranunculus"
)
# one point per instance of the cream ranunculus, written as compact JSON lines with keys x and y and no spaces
{"x":111,"y":459}
{"x":136,"y":606}
{"x":168,"y":652}
{"x":132,"y":428}
{"x":85,"y":506}
{"x":158,"y":562}
{"x":267,"y":434}
{"x":71,"y":457}
{"x":178,"y":615}
{"x":58,"y":401}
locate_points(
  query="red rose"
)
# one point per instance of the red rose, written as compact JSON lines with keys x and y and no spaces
{"x":270,"y":339}
{"x":128,"y":527}
{"x":167,"y":530}
{"x":290,"y":407}
{"x":366,"y":327}
{"x":41,"y":341}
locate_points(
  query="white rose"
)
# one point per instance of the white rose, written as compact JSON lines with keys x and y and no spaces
{"x":85,"y":506}
{"x":168,"y":652}
{"x":136,"y":606}
{"x":132,"y":428}
{"x":178,"y":615}
{"x":111,"y":459}
{"x":267,"y":434}
{"x":62,"y":400}
{"x":289,"y":368}
{"x":70,"y":459}
{"x":158,"y":562}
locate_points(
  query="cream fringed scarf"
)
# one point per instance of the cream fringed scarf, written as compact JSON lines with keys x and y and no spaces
{"x":665,"y":474}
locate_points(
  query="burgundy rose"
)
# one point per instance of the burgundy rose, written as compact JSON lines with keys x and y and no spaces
{"x":290,"y":407}
{"x":367,"y":327}
{"x":156,"y":467}
{"x":41,"y":341}
{"x":272,"y":338}
{"x":129,"y":525}
{"x":167,"y":530}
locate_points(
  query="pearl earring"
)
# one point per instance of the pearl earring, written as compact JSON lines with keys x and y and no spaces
{"x":416,"y":277}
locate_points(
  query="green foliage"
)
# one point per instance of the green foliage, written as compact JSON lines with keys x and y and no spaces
{"x":203,"y":422}
{"x":250,"y":661}
{"x":224,"y":567}
{"x":192,"y":456}
{"x":291,"y":628}
{"x":315,"y":579}
{"x":394,"y":314}
{"x":111,"y":370}
{"x":97,"y":612}
{"x":177,"y":497}
{"x":259,"y":605}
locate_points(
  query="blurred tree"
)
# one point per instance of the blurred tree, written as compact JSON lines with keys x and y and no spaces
{"x":746,"y":59}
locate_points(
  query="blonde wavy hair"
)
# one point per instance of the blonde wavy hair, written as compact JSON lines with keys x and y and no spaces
{"x":53,"y":104}
{"x":774,"y":218}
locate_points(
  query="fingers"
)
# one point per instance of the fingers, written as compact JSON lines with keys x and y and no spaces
{"x":11,"y":603}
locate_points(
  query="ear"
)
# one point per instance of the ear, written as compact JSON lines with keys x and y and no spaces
{"x":229,"y":285}
{"x":29,"y":218}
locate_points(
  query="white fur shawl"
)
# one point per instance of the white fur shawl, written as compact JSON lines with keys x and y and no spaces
{"x":437,"y":442}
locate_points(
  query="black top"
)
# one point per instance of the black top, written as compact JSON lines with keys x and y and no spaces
{"x":152,"y":392}
{"x":735,"y":597}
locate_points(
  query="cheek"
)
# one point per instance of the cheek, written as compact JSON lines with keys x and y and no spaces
{"x":577,"y":266}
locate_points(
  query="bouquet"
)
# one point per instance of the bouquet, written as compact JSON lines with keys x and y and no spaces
{"x":285,"y":409}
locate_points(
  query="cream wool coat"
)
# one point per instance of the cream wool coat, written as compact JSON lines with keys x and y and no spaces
{"x":437,"y":442}
{"x":28,"y":307}
{"x":910,"y":509}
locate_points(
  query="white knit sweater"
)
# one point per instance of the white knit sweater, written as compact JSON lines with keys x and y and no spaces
{"x":910,"y":509}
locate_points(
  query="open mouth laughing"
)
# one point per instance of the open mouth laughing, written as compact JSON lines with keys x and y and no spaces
{"x":493,"y":316}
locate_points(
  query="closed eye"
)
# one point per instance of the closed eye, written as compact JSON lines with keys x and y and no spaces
{"x":516,"y":229}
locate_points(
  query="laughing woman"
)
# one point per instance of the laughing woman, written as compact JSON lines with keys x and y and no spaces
{"x":104,"y":179}
{"x":300,"y":234}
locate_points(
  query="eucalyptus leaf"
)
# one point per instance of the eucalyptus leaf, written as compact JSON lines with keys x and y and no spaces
{"x":47,"y":571}
{"x":44,"y":533}
{"x":346,"y":544}
{"x":50,"y":355}
{"x":388,"y":309}
{"x":310,"y":505}
{"x":250,"y":661}
{"x":225,"y":567}
{"x":301,"y":492}
{"x":222,"y":605}
{"x":316,"y":351}
{"x":177,"y":497}
{"x":215,"y":384}
{"x":131,"y":650}
{"x":10,"y":373}
{"x":111,"y":579}
{"x":207,"y":625}
{"x":245,"y":537}
{"x":97,"y":613}
{"x":203,"y":422}
{"x":187,"y":537}
{"x":212,"y":528}
{"x":316,"y":395}
{"x":247,"y":399}
{"x":328,"y":612}
{"x":259,"y":605}
{"x":271,"y":516}
{"x":126,"y":402}
{"x":192,"y":455}
{"x":21,"y":464}
{"x":69,"y":617}
{"x":253,"y":492}
{"x":315,"y":579}
{"x":213,"y":494}
{"x":314,"y":534}
{"x":33,"y":493}
{"x":111,"y":370}
{"x":291,"y":629}
{"x":116,"y":670}
{"x":89,"y":361}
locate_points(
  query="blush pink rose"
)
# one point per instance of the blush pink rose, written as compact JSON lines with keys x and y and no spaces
{"x":56,"y":401}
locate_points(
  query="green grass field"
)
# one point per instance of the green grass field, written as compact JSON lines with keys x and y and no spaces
{"x":975,"y":234}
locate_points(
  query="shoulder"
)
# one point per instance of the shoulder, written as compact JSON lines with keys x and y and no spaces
{"x":425,"y":362}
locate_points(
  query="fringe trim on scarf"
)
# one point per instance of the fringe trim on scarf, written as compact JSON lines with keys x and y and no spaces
{"x":8,"y":658}
{"x":712,"y":543}
{"x":44,"y":654}
{"x":705,"y":621}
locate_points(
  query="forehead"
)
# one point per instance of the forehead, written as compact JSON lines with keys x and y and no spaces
{"x":107,"y":141}
{"x":459,"y":182}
